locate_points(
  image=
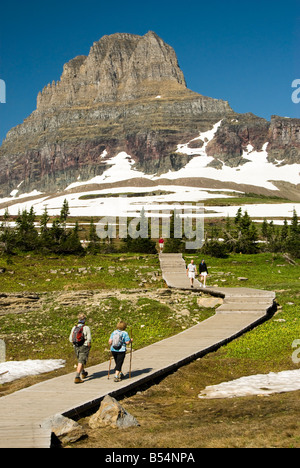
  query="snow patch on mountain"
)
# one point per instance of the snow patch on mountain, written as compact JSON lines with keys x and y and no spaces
{"x":256,"y":170}
{"x":120,"y":167}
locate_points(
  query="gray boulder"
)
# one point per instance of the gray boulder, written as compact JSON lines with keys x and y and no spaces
{"x":111,"y":413}
{"x":65,"y":429}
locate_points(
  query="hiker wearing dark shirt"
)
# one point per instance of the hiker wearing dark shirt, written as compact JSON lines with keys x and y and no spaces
{"x":203,"y":272}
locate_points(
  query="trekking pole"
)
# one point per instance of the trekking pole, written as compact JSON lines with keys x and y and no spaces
{"x":130,"y":355}
{"x":109,"y":367}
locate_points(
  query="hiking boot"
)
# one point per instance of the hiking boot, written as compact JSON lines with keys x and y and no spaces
{"x":78,"y":380}
{"x":84,"y":374}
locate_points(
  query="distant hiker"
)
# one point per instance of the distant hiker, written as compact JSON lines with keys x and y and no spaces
{"x":161,"y":244}
{"x":118,"y":341}
{"x":203,"y":272}
{"x":191,"y":272}
{"x":81,"y":338}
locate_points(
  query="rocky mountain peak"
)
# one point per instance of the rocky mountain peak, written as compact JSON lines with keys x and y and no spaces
{"x":119,"y":67}
{"x":129,"y":95}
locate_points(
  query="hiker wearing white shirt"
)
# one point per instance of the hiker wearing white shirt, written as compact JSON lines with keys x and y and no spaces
{"x":191,"y":272}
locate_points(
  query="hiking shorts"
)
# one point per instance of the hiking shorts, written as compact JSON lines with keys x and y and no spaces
{"x":82,"y":353}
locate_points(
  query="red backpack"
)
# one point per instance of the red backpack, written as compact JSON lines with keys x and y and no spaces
{"x":78,"y":336}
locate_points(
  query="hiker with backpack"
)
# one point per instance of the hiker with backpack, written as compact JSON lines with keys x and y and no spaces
{"x":118,"y":341}
{"x":81,"y":338}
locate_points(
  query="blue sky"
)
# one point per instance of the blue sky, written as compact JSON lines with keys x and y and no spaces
{"x":244,"y":52}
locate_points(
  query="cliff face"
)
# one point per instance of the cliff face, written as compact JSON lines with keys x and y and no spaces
{"x":128,"y":94}
{"x":234,"y":135}
{"x":120,"y":67}
{"x":284,"y":137}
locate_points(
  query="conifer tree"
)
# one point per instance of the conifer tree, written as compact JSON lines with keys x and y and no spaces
{"x":70,"y":243}
{"x":138,"y":238}
{"x":94,"y":246}
{"x":293,"y":240}
{"x":64,"y":213}
{"x":175,"y":242}
{"x":26,"y":233}
{"x":284,"y":235}
{"x":45,"y":233}
{"x":7,"y":235}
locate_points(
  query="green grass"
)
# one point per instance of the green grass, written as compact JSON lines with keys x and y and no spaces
{"x":43,"y":333}
{"x":33,"y":272}
{"x":170,"y":413}
{"x":125,"y":194}
{"x":244,"y":199}
{"x":271,"y":341}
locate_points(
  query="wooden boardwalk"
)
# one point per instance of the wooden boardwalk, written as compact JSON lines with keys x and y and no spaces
{"x":22,"y":413}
